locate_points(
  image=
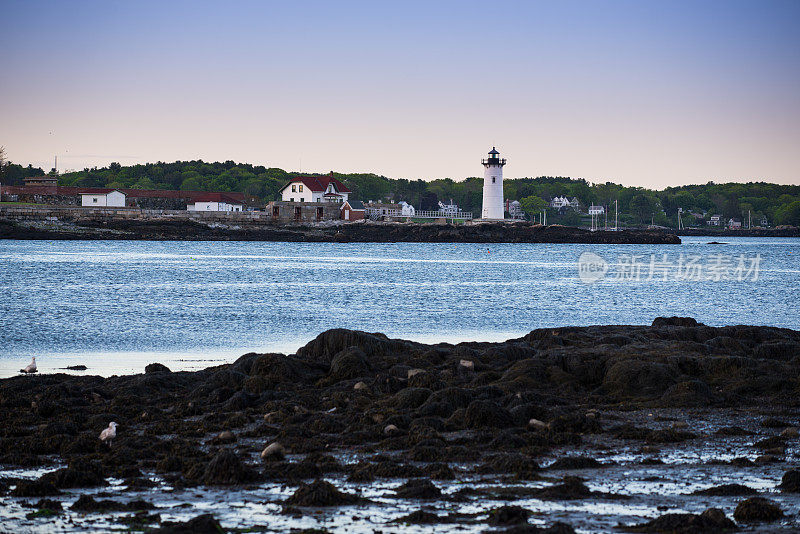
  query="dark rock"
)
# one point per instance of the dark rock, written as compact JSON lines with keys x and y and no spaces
{"x":520,"y":465}
{"x":569,"y":489}
{"x":202,"y":524}
{"x":726,"y":490}
{"x":409,"y":398}
{"x":420,"y":517}
{"x":757,"y":509}
{"x":711,"y":521}
{"x":660,"y":322}
{"x":418,"y":488}
{"x":790,"y":483}
{"x":508,"y":515}
{"x":689,"y":393}
{"x":225,"y":468}
{"x":669,"y":435}
{"x":80,"y":473}
{"x":482,"y":414}
{"x":774,"y":422}
{"x":40,"y":487}
{"x":638,"y":378}
{"x":156,"y":368}
{"x":49,"y":504}
{"x":86,"y":503}
{"x":575,"y":462}
{"x":321,"y":493}
{"x":349,"y":363}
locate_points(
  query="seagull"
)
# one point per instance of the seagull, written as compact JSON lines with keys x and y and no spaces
{"x":31,"y":368}
{"x":107,"y":435}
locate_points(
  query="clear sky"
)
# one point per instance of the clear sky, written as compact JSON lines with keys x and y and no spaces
{"x":650,"y":93}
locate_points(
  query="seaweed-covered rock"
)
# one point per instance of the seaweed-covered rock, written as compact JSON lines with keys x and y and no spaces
{"x":711,"y":521}
{"x":790,"y":483}
{"x":726,"y":490}
{"x":481,"y":413}
{"x":321,"y":493}
{"x":225,"y":468}
{"x":569,"y":489}
{"x":757,"y":509}
{"x":638,"y":378}
{"x":349,"y":363}
{"x":420,"y":517}
{"x":575,"y":462}
{"x":202,"y":524}
{"x":508,"y":515}
{"x":418,"y":488}
{"x":156,"y":368}
{"x":86,"y":503}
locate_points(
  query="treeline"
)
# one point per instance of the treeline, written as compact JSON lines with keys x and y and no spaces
{"x":779,"y":203}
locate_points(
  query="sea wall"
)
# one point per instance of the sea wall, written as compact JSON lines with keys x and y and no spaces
{"x":74,"y":214}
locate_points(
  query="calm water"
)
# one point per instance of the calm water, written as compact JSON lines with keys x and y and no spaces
{"x":115,"y":306}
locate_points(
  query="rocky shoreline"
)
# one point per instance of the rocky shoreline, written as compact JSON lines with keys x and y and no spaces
{"x":464,"y":437}
{"x":367,"y":232}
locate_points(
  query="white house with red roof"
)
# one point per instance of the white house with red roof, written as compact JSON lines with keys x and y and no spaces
{"x":99,"y":197}
{"x":315,"y":189}
{"x":215,"y":202}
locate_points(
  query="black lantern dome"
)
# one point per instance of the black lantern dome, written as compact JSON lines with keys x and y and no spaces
{"x":493,"y":159}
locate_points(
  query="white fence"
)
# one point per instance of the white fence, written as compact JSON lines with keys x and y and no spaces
{"x":374,"y":213}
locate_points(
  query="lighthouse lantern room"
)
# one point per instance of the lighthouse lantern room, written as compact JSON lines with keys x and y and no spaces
{"x":493,"y":186}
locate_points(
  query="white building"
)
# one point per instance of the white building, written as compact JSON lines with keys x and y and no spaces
{"x":448,"y":210}
{"x":560,"y":202}
{"x":514,"y":209}
{"x":714,"y":221}
{"x":493,"y":186}
{"x":315,"y":189}
{"x":596,"y":210}
{"x":102,"y":198}
{"x":406,"y":209}
{"x":215,"y":202}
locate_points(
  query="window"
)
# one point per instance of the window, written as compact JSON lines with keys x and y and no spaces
{"x":302,"y":200}
{"x":300,"y":188}
{"x":291,"y":199}
{"x":294,"y":189}
{"x":492,"y":179}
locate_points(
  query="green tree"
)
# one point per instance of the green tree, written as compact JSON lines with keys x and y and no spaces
{"x":643,"y":206}
{"x":788,"y":214}
{"x":532,"y":204}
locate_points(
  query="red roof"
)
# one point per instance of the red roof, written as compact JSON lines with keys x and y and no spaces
{"x":97,"y":191}
{"x":319,"y":184}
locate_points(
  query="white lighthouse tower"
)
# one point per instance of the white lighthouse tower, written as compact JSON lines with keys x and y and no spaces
{"x":493,"y":186}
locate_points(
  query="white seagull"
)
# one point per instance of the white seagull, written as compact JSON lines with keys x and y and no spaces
{"x":107,"y":435}
{"x":31,"y":368}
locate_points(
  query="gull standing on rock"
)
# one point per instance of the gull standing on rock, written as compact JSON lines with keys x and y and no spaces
{"x":31,"y":368}
{"x":107,"y":435}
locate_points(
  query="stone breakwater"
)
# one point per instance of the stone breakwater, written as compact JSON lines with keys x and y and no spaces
{"x":94,"y":223}
{"x":464,"y":436}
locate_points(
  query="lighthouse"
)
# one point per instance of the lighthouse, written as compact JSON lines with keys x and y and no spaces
{"x":493,"y":186}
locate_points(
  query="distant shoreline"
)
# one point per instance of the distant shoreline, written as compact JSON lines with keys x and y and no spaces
{"x":170,"y":229}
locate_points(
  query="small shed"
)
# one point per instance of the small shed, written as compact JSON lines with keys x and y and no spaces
{"x":353,"y":210}
{"x":102,"y":198}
